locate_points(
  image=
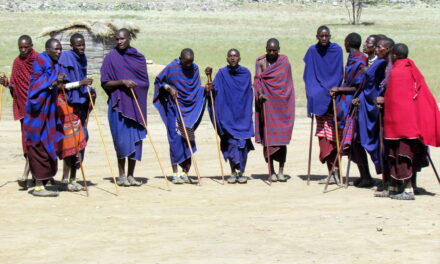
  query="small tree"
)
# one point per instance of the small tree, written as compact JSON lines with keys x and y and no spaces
{"x":354,"y":8}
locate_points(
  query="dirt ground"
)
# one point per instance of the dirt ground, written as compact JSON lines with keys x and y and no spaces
{"x":252,"y":223}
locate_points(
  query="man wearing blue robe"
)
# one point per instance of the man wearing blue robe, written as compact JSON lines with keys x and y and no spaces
{"x":73,"y":64}
{"x":323,"y":70}
{"x":233,"y":95}
{"x":178,"y":86}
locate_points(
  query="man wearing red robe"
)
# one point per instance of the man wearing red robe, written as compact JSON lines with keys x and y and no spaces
{"x":411,"y":121}
{"x":19,"y":85}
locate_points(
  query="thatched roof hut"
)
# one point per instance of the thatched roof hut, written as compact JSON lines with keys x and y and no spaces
{"x":99,"y":37}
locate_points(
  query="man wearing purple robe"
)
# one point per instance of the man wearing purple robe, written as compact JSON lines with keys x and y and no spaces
{"x":323,"y":70}
{"x":233,"y":95}
{"x":125,"y":69}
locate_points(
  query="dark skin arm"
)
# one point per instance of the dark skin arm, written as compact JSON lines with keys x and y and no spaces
{"x":172,"y":91}
{"x":208,"y":86}
{"x":116,"y":84}
{"x":262,"y":66}
{"x":356,"y":101}
{"x":5,"y":82}
{"x":59,"y":80}
{"x":86,"y":81}
{"x":345,"y":90}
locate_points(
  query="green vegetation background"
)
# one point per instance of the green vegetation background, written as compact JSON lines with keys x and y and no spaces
{"x":211,"y":34}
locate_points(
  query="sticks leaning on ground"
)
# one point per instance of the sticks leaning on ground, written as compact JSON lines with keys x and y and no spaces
{"x":353,"y":116}
{"x":267,"y":146}
{"x":103,"y":141}
{"x":1,"y":95}
{"x":337,"y":138}
{"x":1,"y":100}
{"x":381,"y":149}
{"x":75,"y":140}
{"x":194,"y":160}
{"x":151,"y":140}
{"x":310,"y":150}
{"x":433,"y":167}
{"x":215,"y":127}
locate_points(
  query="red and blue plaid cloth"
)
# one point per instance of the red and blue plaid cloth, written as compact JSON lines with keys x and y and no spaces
{"x":191,"y":93}
{"x":40,"y":121}
{"x":276,"y":83}
{"x":191,"y":102}
{"x":354,"y":71}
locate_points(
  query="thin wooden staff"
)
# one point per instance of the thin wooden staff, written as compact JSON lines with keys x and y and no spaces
{"x":433,"y":167}
{"x":381,"y":148}
{"x":216,"y":131}
{"x":310,"y":151}
{"x":75,"y":140}
{"x":1,"y":96}
{"x":353,"y":116}
{"x":151,"y":139}
{"x":103,"y":141}
{"x":194,"y":160}
{"x":336,"y":158}
{"x":267,"y":146}
{"x":335,"y":113}
{"x":348,"y":169}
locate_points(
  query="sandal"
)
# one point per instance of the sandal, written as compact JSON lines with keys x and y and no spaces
{"x":133,"y":181}
{"x":22,"y":182}
{"x":122,"y":181}
{"x":77,"y":187}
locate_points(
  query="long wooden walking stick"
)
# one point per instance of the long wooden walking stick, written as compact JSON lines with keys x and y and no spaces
{"x":208,"y":74}
{"x":353,"y":118}
{"x":335,"y":113}
{"x":103,"y":141}
{"x":310,"y":150}
{"x":194,"y":160}
{"x":75,"y":140}
{"x":433,"y":167}
{"x":151,"y":139}
{"x":381,"y":149}
{"x":1,"y":100}
{"x":1,"y":95}
{"x":353,"y":115}
{"x":267,"y":146}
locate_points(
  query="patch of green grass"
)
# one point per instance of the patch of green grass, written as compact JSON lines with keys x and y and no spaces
{"x":211,"y":34}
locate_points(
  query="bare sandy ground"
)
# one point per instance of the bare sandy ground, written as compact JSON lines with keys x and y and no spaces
{"x":253,"y":223}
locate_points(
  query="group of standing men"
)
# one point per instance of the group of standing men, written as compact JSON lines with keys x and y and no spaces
{"x":380,"y":104}
{"x":53,"y":105}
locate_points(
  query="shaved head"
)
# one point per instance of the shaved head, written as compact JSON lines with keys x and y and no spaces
{"x":53,"y":48}
{"x":322,"y":28}
{"x":233,"y":50}
{"x":273,"y":42}
{"x":233,"y":58}
{"x":187,"y":58}
{"x":25,"y":46}
{"x":388,"y":42}
{"x":124,"y":31}
{"x":187,"y":53}
{"x":354,"y":40}
{"x":75,"y":37}
{"x":51,"y":43}
{"x":375,"y":39}
{"x":25,"y":38}
{"x":400,"y":50}
{"x":323,"y":36}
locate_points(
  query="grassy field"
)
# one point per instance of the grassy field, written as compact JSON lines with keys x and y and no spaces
{"x":211,"y":34}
